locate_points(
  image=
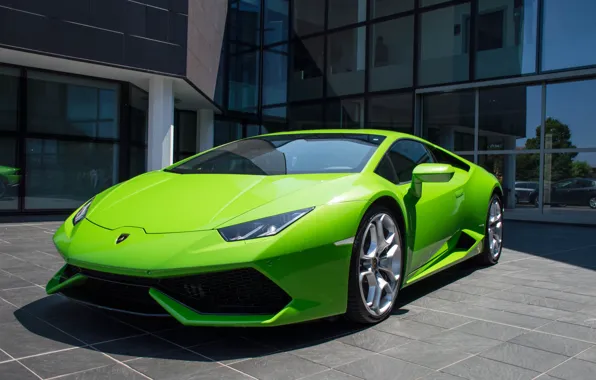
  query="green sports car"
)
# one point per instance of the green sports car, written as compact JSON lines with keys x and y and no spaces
{"x":281,"y":228}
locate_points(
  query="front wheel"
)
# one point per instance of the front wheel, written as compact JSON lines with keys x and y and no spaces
{"x":493,"y":238}
{"x":376,"y":267}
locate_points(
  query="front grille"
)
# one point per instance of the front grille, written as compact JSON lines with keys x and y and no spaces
{"x":240,"y":291}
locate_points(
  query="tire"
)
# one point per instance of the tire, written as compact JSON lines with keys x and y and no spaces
{"x":493,"y":230}
{"x":592,"y":203}
{"x":384,"y":266}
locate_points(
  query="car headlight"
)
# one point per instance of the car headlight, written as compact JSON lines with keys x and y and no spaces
{"x":82,"y":213}
{"x":269,"y":226}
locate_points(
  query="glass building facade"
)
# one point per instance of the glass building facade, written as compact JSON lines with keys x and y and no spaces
{"x":508,"y":84}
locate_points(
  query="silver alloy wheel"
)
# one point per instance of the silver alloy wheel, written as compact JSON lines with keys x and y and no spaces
{"x":593,"y":202}
{"x":380,"y":264}
{"x":495,"y":228}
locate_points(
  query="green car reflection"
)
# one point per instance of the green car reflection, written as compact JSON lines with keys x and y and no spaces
{"x":9,"y":177}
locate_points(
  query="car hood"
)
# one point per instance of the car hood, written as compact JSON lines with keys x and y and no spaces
{"x":164,"y":202}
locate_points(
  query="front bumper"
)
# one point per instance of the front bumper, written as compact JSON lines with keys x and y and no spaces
{"x":201,"y":280}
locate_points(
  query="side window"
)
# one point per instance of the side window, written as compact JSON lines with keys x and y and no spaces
{"x":385,"y":170}
{"x":444,"y":158}
{"x":405,"y":155}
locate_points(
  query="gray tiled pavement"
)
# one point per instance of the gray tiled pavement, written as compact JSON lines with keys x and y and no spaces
{"x":530,"y":317}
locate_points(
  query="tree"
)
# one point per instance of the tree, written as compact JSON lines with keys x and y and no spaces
{"x":581,"y":169}
{"x":557,"y":136}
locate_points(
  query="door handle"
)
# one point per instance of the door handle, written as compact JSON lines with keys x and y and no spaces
{"x":459,"y":193}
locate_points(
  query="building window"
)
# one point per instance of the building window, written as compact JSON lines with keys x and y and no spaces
{"x":185,"y":134}
{"x":138,"y":127}
{"x":568,"y":34}
{"x":443,"y":46}
{"x":306,"y":71}
{"x":306,"y":116}
{"x":448,"y":120}
{"x":244,"y":23}
{"x":243,"y":80}
{"x":9,"y":90}
{"x":309,"y":16}
{"x":506,"y":38}
{"x":381,"y":8}
{"x":61,"y":105}
{"x":346,"y":12}
{"x":345,"y":114}
{"x":393,"y":112}
{"x":274,"y":120}
{"x":226,"y":131}
{"x":10,"y":175}
{"x":276,"y":21}
{"x":428,"y":3}
{"x":346,"y":62}
{"x":391,"y":54}
{"x":275,"y":75}
{"x":509,"y":118}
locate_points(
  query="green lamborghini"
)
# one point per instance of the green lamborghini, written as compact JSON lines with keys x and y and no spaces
{"x":281,"y":228}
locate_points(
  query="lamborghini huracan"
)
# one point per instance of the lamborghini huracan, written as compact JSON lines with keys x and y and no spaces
{"x":281,"y":228}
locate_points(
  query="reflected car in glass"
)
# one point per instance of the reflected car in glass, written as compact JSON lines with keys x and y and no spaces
{"x":281,"y":228}
{"x":526,"y":192}
{"x":9,"y":178}
{"x":574,"y":192}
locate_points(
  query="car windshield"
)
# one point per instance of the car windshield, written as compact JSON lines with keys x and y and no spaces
{"x":287,"y":154}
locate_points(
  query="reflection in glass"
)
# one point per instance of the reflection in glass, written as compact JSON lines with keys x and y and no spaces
{"x":448,"y":120}
{"x":568,"y":34}
{"x":253,"y":130}
{"x":509,"y":118}
{"x":138,"y":160}
{"x":64,"y":174}
{"x":244,"y":81}
{"x":244,"y":23}
{"x":306,"y":71}
{"x":443,"y":47}
{"x":392,"y":112}
{"x":391,"y":54}
{"x":346,"y":62}
{"x":9,"y":90}
{"x":309,"y":16}
{"x":519,"y":177}
{"x":306,"y":117}
{"x":380,"y":8}
{"x":506,"y":37}
{"x":346,"y":113}
{"x":139,"y":110}
{"x":276,"y":21}
{"x":10,"y":176}
{"x":346,"y":12}
{"x":426,"y":3}
{"x":225,"y":132}
{"x":71,"y":106}
{"x":274,"y":120}
{"x":570,"y":115}
{"x":185,"y":132}
{"x":275,"y":75}
{"x":570,"y":182}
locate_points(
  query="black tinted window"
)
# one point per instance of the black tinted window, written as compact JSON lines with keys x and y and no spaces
{"x":385,"y":170}
{"x":405,"y":155}
{"x":287,"y":154}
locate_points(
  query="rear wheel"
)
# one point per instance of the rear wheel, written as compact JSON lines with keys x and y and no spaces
{"x":493,"y":238}
{"x":376,"y":267}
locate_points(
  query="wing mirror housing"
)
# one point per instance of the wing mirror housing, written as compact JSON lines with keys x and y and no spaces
{"x":432,"y":173}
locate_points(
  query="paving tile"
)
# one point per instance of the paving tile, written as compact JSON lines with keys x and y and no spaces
{"x":551,"y":343}
{"x":469,"y":289}
{"x":525,"y":357}
{"x":332,"y":354}
{"x":23,"y":296}
{"x":373,"y":340}
{"x":491,"y":330}
{"x":15,"y":371}
{"x":406,"y":311}
{"x":4,"y":357}
{"x":380,"y":367}
{"x":9,"y":281}
{"x":37,"y":276}
{"x":588,"y":355}
{"x":574,"y":369}
{"x":581,"y":319}
{"x":477,"y":368}
{"x":65,"y":362}
{"x":431,"y":303}
{"x":529,"y":299}
{"x":231,"y":350}
{"x":187,"y":337}
{"x":519,"y":308}
{"x":281,"y":366}
{"x":546,"y":377}
{"x":462,"y":341}
{"x":505,"y":317}
{"x":177,"y":364}
{"x":450,"y":295}
{"x":330,"y":374}
{"x":570,"y":330}
{"x":427,"y":354}
{"x":7,"y":312}
{"x":31,"y":336}
{"x":556,"y":294}
{"x":439,"y":319}
{"x":131,"y":348}
{"x":109,"y":372}
{"x":440,"y":376}
{"x":408,"y":329}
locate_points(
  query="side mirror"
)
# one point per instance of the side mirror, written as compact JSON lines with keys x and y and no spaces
{"x":434,"y":173}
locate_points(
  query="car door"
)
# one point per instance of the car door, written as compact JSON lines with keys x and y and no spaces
{"x":433,"y":218}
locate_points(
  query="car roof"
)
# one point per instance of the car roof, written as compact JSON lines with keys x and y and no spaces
{"x":380,"y":132}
